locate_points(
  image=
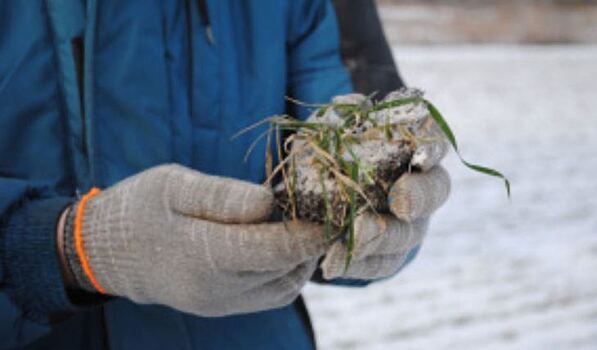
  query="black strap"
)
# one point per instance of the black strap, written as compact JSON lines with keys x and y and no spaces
{"x":365,"y":51}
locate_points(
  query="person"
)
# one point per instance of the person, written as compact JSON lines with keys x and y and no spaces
{"x":128,"y":217}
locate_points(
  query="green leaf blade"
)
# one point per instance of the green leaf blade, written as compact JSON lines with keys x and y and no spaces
{"x":443,"y":124}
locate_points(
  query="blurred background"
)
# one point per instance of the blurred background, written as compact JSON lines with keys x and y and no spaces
{"x":517,"y":80}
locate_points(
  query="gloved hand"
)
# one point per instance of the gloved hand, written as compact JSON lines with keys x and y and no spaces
{"x":383,"y":242}
{"x":197,"y":243}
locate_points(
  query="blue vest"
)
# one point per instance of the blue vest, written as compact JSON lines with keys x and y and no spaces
{"x":94,"y":91}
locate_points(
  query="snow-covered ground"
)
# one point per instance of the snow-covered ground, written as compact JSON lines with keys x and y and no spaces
{"x":494,"y":274}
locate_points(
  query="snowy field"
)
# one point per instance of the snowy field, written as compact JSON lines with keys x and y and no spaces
{"x":494,"y":274}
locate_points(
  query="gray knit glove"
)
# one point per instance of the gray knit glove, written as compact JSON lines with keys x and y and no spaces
{"x":197,"y":243}
{"x":383,"y":242}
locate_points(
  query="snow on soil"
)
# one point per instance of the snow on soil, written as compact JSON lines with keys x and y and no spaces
{"x":494,"y":274}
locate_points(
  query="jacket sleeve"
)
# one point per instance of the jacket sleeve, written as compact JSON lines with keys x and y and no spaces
{"x":29,"y":266}
{"x":315,"y":70}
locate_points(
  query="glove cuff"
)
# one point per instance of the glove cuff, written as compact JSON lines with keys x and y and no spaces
{"x":72,"y":259}
{"x":74,"y":247}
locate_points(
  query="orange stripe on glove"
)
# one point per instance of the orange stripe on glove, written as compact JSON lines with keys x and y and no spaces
{"x":79,"y":244}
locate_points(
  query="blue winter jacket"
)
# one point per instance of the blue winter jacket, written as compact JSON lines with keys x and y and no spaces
{"x":94,"y":91}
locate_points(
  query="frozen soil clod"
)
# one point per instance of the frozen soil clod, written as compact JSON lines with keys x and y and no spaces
{"x":378,"y":139}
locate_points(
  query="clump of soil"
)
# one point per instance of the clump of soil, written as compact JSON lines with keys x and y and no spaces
{"x":347,"y":154}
